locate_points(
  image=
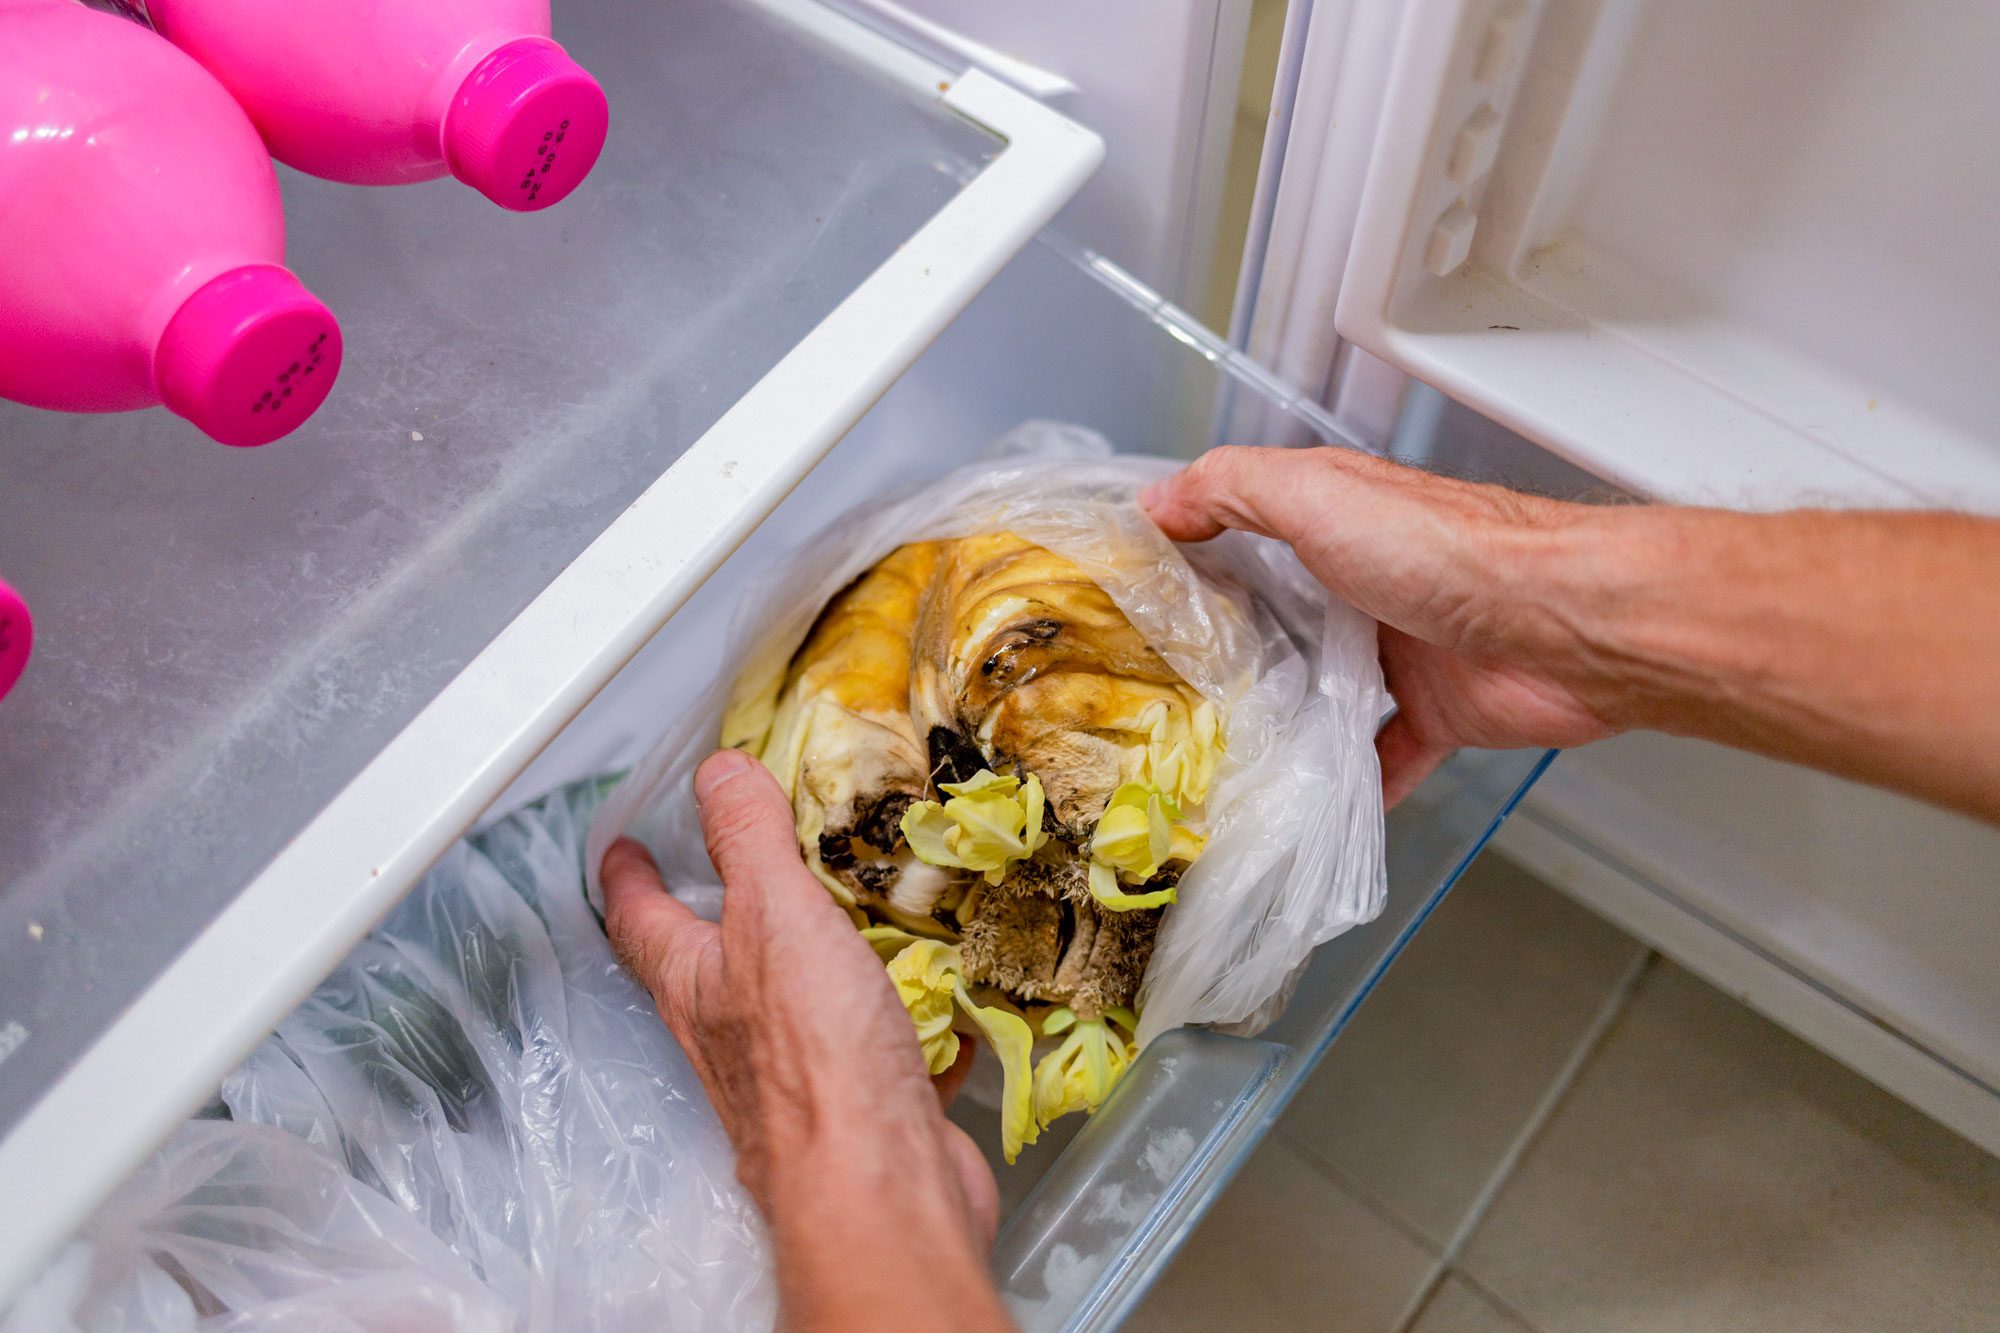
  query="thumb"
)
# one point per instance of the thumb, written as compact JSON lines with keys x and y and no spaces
{"x":975,"y":1178}
{"x":673,"y":953}
{"x":751,"y":838}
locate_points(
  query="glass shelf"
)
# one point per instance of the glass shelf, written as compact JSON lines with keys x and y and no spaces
{"x":225,"y":637}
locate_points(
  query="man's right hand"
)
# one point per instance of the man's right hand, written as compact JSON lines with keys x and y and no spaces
{"x":1472,"y":649}
{"x":1865,"y":643}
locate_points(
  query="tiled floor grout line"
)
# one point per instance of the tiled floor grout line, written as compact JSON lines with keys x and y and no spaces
{"x":1559,"y":1088}
{"x":1494,"y":1299}
{"x":1368,"y":1199}
{"x":1565,"y":1079}
{"x":1360,"y":1193}
{"x":1431,"y":1288}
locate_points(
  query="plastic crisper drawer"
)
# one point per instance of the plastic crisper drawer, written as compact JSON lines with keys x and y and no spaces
{"x":1094,"y":1210}
{"x":272,"y":685}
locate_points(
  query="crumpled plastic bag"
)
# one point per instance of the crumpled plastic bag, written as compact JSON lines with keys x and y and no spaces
{"x":477,"y":1122}
{"x":1295,"y":837}
{"x":247,"y":1227}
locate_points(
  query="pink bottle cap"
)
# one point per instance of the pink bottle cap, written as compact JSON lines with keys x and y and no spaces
{"x":526,"y":126}
{"x":17,"y":636}
{"x":249,"y":356}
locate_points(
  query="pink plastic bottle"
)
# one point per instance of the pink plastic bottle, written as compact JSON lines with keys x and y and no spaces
{"x":382,"y":92}
{"x":142,"y":241}
{"x":17,"y":636}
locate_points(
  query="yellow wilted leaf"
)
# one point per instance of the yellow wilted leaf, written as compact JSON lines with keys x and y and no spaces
{"x":1080,"y":1073}
{"x":926,"y":974}
{"x":1014,"y":1042}
{"x":989,"y":823}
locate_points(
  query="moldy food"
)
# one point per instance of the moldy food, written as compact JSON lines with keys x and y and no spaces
{"x":1002,"y":783}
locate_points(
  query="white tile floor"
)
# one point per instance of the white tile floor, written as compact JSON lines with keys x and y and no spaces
{"x":1534,"y":1126}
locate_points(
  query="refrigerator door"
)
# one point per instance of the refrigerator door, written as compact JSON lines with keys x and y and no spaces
{"x":271,"y":687}
{"x":1741,"y":253}
{"x":1722,"y":250}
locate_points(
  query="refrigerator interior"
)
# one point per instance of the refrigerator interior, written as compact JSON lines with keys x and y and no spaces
{"x":243,"y":633}
{"x":1095,"y":1209}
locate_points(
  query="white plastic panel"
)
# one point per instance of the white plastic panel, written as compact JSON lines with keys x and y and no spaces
{"x":1732,"y":250}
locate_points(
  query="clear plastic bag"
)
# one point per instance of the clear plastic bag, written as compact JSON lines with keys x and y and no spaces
{"x":1295,"y":842}
{"x":478,"y":1122}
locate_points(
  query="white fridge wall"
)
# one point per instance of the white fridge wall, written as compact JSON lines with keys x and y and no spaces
{"x":1158,"y":80}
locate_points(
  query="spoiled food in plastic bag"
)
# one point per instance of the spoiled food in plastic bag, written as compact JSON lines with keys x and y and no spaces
{"x":477,"y":1122}
{"x":1295,"y":843}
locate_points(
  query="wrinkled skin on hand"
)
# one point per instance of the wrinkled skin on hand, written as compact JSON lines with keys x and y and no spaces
{"x":812,"y":1064}
{"x":1865,"y":643}
{"x":1469,"y":652}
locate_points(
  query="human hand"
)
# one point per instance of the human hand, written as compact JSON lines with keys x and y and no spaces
{"x":874,"y":1199}
{"x":1865,"y":643}
{"x":1475,"y":645}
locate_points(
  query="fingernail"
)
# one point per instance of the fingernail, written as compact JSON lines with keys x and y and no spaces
{"x":1150,"y":496}
{"x":717,"y":769}
{"x":629,"y":847}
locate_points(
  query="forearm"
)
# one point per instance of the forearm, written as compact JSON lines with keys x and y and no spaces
{"x":1864,"y":644}
{"x":864,"y":1242}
